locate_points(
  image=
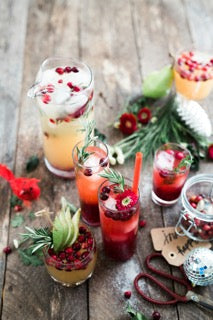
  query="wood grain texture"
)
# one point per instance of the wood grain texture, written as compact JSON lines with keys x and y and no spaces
{"x":122,"y":43}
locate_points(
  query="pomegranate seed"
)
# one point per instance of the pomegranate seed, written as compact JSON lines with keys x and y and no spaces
{"x":60,"y":81}
{"x":52,"y":121}
{"x":156,"y":315}
{"x":198,"y":198}
{"x":179,"y":155}
{"x":50,"y":88}
{"x":194,"y":205}
{"x":191,"y":53}
{"x":67,"y":69}
{"x":206,"y":227}
{"x":142,"y":223}
{"x":88,"y":172}
{"x":197,"y":222}
{"x":127,"y":294}
{"x":197,"y":78}
{"x":75,"y":70}
{"x":76,"y":89}
{"x":69,"y":84}
{"x":17,"y":208}
{"x":54,"y":257}
{"x":163,"y":173}
{"x":46,"y":98}
{"x":104,"y":196}
{"x":82,"y":230}
{"x":7,"y":250}
{"x":59,"y":70}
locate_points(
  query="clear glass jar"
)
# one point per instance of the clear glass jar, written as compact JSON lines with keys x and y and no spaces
{"x":64,"y":95}
{"x":196,"y":217}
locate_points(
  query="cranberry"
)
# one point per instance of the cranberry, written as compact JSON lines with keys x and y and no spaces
{"x":127,"y":294}
{"x":69,"y":250}
{"x":50,"y":88}
{"x":156,"y":315}
{"x":88,"y":235}
{"x":142,"y":223}
{"x":62,"y":255}
{"x":198,"y":198}
{"x":90,"y":241}
{"x":76,"y":246}
{"x":17,"y":208}
{"x":170,"y":151}
{"x":104,"y":196}
{"x":82,"y":230}
{"x":124,"y":216}
{"x":51,"y":252}
{"x":60,"y":81}
{"x":69,"y":268}
{"x":197,"y":222}
{"x":59,"y":266}
{"x":206,"y":227}
{"x":88,"y":172}
{"x":164,"y":173}
{"x":78,"y":264}
{"x":76,"y":89}
{"x":67,"y":69}
{"x":116,"y":216}
{"x":106,"y":190}
{"x":103,"y":162}
{"x":7,"y":250}
{"x":59,"y":70}
{"x":179,"y":155}
{"x":69,"y":84}
{"x":70,"y":258}
{"x":54,"y":257}
{"x":194,"y":205}
{"x":84,"y":255}
{"x":74,"y":69}
{"x":81,"y":238}
{"x":108,"y":214}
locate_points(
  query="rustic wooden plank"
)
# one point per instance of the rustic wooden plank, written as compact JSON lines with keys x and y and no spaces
{"x":52,"y":30}
{"x":11,"y":63}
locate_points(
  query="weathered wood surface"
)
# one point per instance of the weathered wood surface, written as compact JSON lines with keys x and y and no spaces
{"x":122,"y":41}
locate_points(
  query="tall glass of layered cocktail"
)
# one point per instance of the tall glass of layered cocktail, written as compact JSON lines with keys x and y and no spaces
{"x":64,"y":95}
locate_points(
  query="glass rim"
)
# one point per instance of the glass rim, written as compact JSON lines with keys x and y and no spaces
{"x":76,"y":162}
{"x":172,"y":172}
{"x":203,"y":177}
{"x":115,"y":210}
{"x":89,"y":86}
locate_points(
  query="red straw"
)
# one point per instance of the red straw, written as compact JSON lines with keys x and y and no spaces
{"x":137,"y":171}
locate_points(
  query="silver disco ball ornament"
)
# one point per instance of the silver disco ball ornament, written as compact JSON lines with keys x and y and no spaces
{"x":198,"y":266}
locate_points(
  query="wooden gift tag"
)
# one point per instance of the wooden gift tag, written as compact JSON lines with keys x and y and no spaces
{"x":174,"y":248}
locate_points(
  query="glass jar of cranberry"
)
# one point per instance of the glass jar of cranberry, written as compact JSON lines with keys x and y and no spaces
{"x":196,"y":218}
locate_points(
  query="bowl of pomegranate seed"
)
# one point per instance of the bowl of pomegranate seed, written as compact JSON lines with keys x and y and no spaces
{"x":196,"y":217}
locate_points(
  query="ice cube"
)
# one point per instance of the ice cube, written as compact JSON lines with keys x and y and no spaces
{"x":61,"y":96}
{"x":165,"y":160}
{"x":75,"y":103}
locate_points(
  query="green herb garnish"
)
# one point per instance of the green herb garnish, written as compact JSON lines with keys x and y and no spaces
{"x":32,"y":163}
{"x":100,"y":135}
{"x":135,"y":314}
{"x":17,"y":220}
{"x":28,"y":259}
{"x":114,"y":177}
{"x":183,"y":163}
{"x":40,"y":238}
{"x":82,"y":154}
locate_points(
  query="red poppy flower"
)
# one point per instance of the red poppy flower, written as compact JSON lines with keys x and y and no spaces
{"x":128,"y":123}
{"x":126,"y":200}
{"x":144,"y":115}
{"x":210,"y":152}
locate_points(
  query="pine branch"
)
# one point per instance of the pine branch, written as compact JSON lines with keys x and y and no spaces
{"x":82,"y":154}
{"x":40,"y":238}
{"x":114,"y":177}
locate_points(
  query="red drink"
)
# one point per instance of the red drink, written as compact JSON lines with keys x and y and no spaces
{"x":119,"y":226}
{"x":171,"y":168}
{"x":88,"y":179}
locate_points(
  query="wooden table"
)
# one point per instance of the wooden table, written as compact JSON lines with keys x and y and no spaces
{"x":122,"y":41}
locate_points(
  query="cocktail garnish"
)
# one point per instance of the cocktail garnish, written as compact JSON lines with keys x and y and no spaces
{"x":82,"y":153}
{"x":114,"y":177}
{"x":126,"y":200}
{"x":183,"y":163}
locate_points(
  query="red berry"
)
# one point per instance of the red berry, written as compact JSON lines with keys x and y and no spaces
{"x":76,"y":246}
{"x":198,"y":198}
{"x":59,"y":70}
{"x":69,"y":84}
{"x":170,"y":151}
{"x":106,"y":189}
{"x":17,"y":208}
{"x":88,"y":172}
{"x":206,"y":227}
{"x":210,"y":152}
{"x":60,"y":81}
{"x":127,"y":294}
{"x":81,"y":238}
{"x":103,"y":162}
{"x":74,"y":69}
{"x":67,"y":69}
{"x":194,"y":205}
{"x":69,"y":250}
{"x":156,"y":315}
{"x":104,"y":196}
{"x":7,"y":250}
{"x":46,"y":98}
{"x":142,"y":223}
{"x":179,"y":155}
{"x":50,"y":88}
{"x":76,"y":89}
{"x":62,"y":255}
{"x":52,"y":121}
{"x":82,"y":230}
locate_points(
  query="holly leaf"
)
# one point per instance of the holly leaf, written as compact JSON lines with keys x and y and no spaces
{"x":158,"y":83}
{"x":15,"y":201}
{"x":17,"y":221}
{"x":28,"y":258}
{"x":32,"y":163}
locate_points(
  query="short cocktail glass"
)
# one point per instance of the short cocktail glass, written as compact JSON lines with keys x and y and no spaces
{"x":74,"y":265}
{"x":193,"y":73}
{"x":64,"y":95}
{"x":169,"y":175}
{"x":88,"y":179}
{"x":119,"y":227}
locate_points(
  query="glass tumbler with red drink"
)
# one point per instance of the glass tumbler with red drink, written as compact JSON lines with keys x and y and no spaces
{"x":171,"y":167}
{"x":119,"y":207}
{"x":90,"y":159}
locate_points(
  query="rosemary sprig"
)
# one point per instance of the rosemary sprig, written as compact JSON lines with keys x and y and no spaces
{"x":40,"y":238}
{"x":114,"y":177}
{"x":183,"y":163}
{"x":82,"y":154}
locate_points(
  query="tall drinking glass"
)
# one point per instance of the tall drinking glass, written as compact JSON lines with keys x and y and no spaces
{"x":64,"y":95}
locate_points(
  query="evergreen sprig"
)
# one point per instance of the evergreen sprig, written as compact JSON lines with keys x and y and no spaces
{"x":114,"y":177}
{"x":183,"y":163}
{"x":40,"y":238}
{"x":82,"y":153}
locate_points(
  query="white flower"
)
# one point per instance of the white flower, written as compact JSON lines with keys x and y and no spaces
{"x":115,"y":155}
{"x":116,"y":124}
{"x":119,"y":155}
